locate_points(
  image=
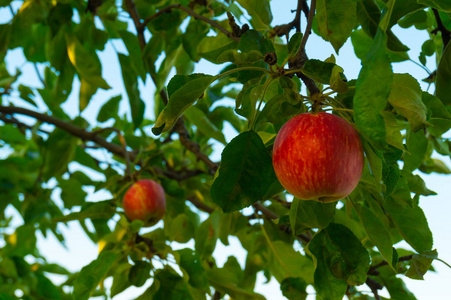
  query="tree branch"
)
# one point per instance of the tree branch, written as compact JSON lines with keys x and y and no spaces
{"x":374,"y":286}
{"x":298,"y":61}
{"x":20,"y":125}
{"x":308,"y":29}
{"x":446,"y":34}
{"x":373,"y":269}
{"x":191,"y":13}
{"x":72,"y":129}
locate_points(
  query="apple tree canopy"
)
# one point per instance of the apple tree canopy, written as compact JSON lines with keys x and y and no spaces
{"x":95,"y":95}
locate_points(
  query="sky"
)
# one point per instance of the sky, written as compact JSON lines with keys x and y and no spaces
{"x":80,"y":250}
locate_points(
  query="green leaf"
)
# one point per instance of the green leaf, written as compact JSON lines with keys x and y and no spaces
{"x":260,"y":11}
{"x":139,"y":273}
{"x":22,"y":242}
{"x":245,"y":173}
{"x":434,"y":165}
{"x":85,"y":62}
{"x":418,"y":186}
{"x":337,"y":82}
{"x":336,"y":19}
{"x":410,"y":221}
{"x":240,"y":58}
{"x":310,"y":214}
{"x":417,"y":18}
{"x":183,"y":91}
{"x":362,"y":42}
{"x":181,"y":229}
{"x":92,"y":274}
{"x":417,"y":145}
{"x":26,"y":93}
{"x":59,"y":151}
{"x":395,"y":286}
{"x":326,"y":284}
{"x":420,"y":264}
{"x":438,"y":115}
{"x":405,"y":96}
{"x":194,"y":33}
{"x":376,"y":230}
{"x":294,"y":288}
{"x":171,"y":286}
{"x":93,"y":210}
{"x":207,"y":235}
{"x":211,"y":47}
{"x":87,"y":90}
{"x":190,"y":262}
{"x":394,"y":128}
{"x":253,"y":40}
{"x":284,"y":262}
{"x":278,"y":110}
{"x":137,"y":105}
{"x":45,"y":289}
{"x":342,"y":254}
{"x":134,"y":53}
{"x":443,"y":5}
{"x":198,"y":118}
{"x":294,"y":43}
{"x":224,"y":282}
{"x":109,"y":109}
{"x":318,"y":70}
{"x":72,"y":193}
{"x":372,"y":92}
{"x":442,"y":87}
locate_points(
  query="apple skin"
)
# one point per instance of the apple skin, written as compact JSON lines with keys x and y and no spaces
{"x":318,"y":156}
{"x":145,"y":200}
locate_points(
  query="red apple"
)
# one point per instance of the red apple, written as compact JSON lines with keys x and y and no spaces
{"x":318,"y":156}
{"x":145,"y":201}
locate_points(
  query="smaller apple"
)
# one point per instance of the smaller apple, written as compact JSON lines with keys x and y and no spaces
{"x":145,"y":200}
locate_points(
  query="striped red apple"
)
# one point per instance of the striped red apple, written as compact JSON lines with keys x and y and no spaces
{"x":318,"y":156}
{"x":145,"y":200}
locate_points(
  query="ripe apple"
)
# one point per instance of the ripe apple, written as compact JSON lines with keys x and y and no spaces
{"x":145,"y":200}
{"x":318,"y":156}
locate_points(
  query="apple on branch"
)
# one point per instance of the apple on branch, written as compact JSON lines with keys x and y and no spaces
{"x":318,"y":156}
{"x":145,"y":200}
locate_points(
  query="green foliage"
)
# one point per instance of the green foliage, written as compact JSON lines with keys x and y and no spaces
{"x":79,"y":137}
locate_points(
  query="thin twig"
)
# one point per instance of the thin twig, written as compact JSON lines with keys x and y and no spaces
{"x":446,"y":34}
{"x":374,"y":286}
{"x":72,"y":129}
{"x":308,"y":29}
{"x":385,"y":263}
{"x":193,"y":14}
{"x":20,"y":125}
{"x":39,"y":75}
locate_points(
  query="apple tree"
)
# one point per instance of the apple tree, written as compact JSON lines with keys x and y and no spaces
{"x":59,"y":125}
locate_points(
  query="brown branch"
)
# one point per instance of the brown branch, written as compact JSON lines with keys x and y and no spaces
{"x":271,"y":215}
{"x":200,"y":205}
{"x":308,"y":29}
{"x":373,"y":269}
{"x":284,"y":29}
{"x":446,"y":34}
{"x":72,"y":129}
{"x":298,"y":61}
{"x":20,"y":125}
{"x":374,"y":286}
{"x":131,"y":8}
{"x":191,"y":13}
{"x":193,"y":146}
